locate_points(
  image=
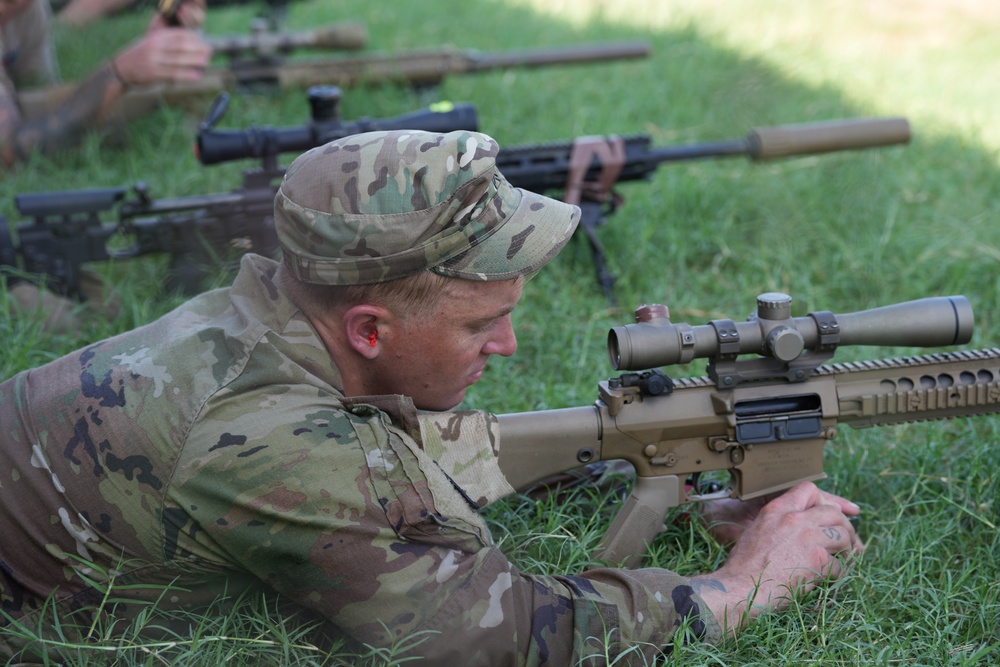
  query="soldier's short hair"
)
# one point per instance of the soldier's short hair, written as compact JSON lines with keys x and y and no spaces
{"x":410,"y":295}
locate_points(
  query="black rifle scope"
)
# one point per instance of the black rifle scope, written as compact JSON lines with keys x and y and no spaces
{"x":216,"y":146}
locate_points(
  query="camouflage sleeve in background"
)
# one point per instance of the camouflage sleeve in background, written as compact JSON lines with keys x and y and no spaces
{"x":28,"y":53}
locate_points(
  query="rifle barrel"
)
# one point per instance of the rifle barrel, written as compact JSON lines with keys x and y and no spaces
{"x":191,"y":203}
{"x":767,"y":143}
{"x":559,"y":56}
{"x":543,"y":167}
{"x":731,"y":148}
{"x":415,"y":68}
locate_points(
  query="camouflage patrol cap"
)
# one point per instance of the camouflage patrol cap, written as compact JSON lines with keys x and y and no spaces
{"x":378,"y":206}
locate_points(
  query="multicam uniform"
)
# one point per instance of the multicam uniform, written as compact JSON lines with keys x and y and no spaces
{"x":29,"y":61}
{"x":28,"y":58}
{"x":215,"y":446}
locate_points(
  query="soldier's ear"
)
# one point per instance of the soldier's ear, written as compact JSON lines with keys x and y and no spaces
{"x":362,"y":325}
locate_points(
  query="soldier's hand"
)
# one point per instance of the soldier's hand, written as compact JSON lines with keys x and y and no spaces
{"x":795,"y":542}
{"x":727,"y":518}
{"x":167,"y":54}
{"x":188,"y":14}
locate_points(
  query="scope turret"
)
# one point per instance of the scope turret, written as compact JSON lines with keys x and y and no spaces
{"x":655,"y":341}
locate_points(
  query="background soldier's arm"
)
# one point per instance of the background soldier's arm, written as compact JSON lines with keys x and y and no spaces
{"x":19,"y":137}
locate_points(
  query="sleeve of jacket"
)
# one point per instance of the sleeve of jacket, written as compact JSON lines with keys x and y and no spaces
{"x":342,"y":511}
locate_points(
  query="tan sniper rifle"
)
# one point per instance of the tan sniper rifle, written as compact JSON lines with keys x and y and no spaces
{"x":255,"y":60}
{"x":764,"y":417}
{"x":417,"y":68}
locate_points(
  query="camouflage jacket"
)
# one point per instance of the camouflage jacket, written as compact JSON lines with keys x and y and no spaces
{"x":214,"y":447}
{"x":26,"y":47}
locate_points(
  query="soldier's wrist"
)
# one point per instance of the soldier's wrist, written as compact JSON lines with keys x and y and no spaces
{"x":116,"y":73}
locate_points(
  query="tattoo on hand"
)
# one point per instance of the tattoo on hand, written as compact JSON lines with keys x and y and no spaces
{"x":832,"y":533}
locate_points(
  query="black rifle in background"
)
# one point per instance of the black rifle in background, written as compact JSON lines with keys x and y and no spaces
{"x":585,"y":170}
{"x":200,"y":233}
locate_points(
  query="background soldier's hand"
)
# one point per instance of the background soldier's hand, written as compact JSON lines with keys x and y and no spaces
{"x":792,"y":544}
{"x":164,"y":54}
{"x":56,"y":312}
{"x":189,"y":14}
{"x":11,"y":8}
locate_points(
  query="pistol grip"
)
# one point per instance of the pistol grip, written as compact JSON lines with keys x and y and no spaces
{"x":640,"y":520}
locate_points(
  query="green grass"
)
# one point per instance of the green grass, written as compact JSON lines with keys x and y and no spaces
{"x":840,"y":232}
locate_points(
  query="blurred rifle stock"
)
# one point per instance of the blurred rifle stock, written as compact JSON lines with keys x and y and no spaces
{"x":200,"y":233}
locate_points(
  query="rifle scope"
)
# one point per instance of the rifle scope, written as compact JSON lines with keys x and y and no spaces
{"x":216,"y":146}
{"x":771,"y":332}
